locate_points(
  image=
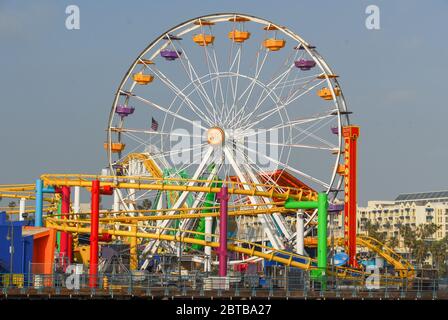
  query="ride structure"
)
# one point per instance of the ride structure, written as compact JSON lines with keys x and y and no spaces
{"x":228,"y":136}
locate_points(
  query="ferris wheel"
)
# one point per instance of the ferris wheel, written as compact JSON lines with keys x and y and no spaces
{"x":227,"y":97}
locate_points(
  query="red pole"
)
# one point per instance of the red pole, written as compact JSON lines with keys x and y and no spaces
{"x":223,"y":197}
{"x":350,"y":134}
{"x":94,"y":226}
{"x":65,"y":211}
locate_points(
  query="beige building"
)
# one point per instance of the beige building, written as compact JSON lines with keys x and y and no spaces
{"x":411,"y":209}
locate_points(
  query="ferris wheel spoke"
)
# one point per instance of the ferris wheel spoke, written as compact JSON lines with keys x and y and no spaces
{"x":280,"y":107}
{"x":152,"y":132}
{"x":252,"y":85}
{"x":179,"y":92}
{"x":286,"y":166}
{"x":247,"y":132}
{"x":276,"y":80}
{"x":232,"y":63}
{"x":193,"y":76}
{"x":303,"y":146}
{"x":261,"y":99}
{"x":307,"y":133}
{"x":172,"y":152}
{"x":148,"y":102}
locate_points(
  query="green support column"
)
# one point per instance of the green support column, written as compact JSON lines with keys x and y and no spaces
{"x":322,"y":217}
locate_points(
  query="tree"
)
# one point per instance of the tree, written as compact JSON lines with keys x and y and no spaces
{"x":393,"y":242}
{"x":439,"y":254}
{"x":417,"y":241}
{"x":373,"y":231}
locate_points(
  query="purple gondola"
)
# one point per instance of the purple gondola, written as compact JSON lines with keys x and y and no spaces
{"x":124,"y":111}
{"x":335,"y":130}
{"x":303,"y":64}
{"x":170,"y":54}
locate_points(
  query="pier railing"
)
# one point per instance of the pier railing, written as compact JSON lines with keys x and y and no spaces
{"x":201,"y":285}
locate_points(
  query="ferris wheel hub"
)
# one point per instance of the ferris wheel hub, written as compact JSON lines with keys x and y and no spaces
{"x":215,"y":136}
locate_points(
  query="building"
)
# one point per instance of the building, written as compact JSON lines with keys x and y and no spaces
{"x":411,"y":209}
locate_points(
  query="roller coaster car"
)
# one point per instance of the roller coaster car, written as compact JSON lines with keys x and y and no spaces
{"x":239,"y":36}
{"x":142,"y":78}
{"x":325,"y":93}
{"x":273,"y":44}
{"x":203,"y":39}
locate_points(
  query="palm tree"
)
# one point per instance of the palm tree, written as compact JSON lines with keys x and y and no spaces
{"x":373,"y":231}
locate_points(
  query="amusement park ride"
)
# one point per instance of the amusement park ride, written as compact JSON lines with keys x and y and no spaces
{"x":232,"y":199}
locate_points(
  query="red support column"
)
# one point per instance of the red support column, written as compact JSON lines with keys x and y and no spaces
{"x":65,"y":251}
{"x":94,"y":226}
{"x":350,"y":134}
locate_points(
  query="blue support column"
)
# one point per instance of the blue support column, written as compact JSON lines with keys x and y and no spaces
{"x":39,"y":203}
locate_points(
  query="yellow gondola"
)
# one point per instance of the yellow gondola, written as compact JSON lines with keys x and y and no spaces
{"x":145,"y":61}
{"x":239,"y":36}
{"x":341,"y":169}
{"x":325,"y":93}
{"x":142,"y":78}
{"x":203,"y":39}
{"x":274,"y":44}
{"x":202,"y":22}
{"x":239,"y":19}
{"x":116,"y":146}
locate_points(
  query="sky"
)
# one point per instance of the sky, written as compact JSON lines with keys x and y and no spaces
{"x":57,"y":85}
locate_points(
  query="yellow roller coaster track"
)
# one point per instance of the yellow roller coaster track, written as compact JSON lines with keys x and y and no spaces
{"x":397,"y":261}
{"x":166,"y":184}
{"x":251,"y":189}
{"x":252,"y":249}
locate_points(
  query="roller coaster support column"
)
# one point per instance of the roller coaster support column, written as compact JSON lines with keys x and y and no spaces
{"x":300,"y":243}
{"x":22,"y":206}
{"x":322,"y":220}
{"x":208,"y":249}
{"x":223,"y":197}
{"x":76,"y":201}
{"x":322,"y":212}
{"x":94,"y":226}
{"x":350,"y":134}
{"x":133,"y":264}
{"x":39,"y":203}
{"x":66,"y":246}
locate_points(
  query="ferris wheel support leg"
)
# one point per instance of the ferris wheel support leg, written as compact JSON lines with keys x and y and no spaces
{"x":300,"y":233}
{"x":94,"y":226}
{"x":208,"y":249}
{"x":223,"y":197}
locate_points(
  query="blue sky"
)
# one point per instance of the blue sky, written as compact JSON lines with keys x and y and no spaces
{"x":57,"y":85}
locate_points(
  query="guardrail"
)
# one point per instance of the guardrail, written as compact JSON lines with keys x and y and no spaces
{"x":201,"y":285}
